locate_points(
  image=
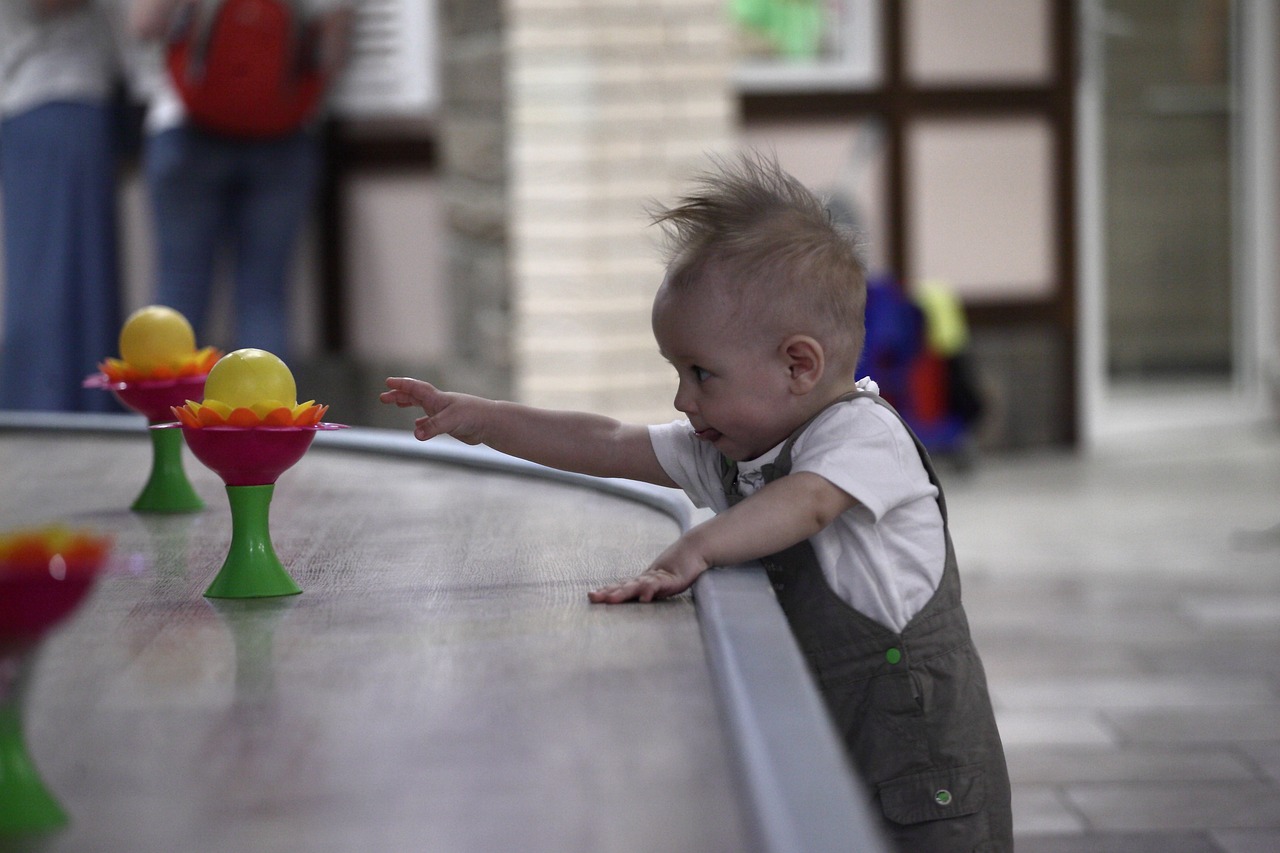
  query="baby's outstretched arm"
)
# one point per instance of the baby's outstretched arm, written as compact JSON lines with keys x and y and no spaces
{"x":571,"y":441}
{"x":784,"y":512}
{"x":458,"y":415}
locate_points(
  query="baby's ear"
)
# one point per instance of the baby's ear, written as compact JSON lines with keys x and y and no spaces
{"x":805,"y":362}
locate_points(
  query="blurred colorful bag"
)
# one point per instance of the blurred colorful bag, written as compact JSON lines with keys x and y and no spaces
{"x":917,"y":350}
{"x":245,"y":67}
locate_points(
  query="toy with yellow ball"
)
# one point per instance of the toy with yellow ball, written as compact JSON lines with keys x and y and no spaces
{"x":250,"y":388}
{"x":158,"y":344}
{"x":249,"y":430}
{"x":45,"y":573}
{"x":159,"y":367}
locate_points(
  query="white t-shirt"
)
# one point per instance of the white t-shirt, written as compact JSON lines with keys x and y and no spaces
{"x":58,"y":57}
{"x":883,"y":556}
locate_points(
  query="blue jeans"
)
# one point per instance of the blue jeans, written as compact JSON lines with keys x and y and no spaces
{"x":249,"y":198}
{"x":61,"y":278}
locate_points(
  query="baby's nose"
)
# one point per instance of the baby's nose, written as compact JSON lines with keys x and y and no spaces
{"x":684,"y":399}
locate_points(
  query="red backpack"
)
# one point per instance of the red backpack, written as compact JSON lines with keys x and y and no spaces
{"x":245,"y":68}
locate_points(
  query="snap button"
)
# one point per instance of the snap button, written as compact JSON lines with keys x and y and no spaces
{"x":893,"y":656}
{"x":942,"y":797}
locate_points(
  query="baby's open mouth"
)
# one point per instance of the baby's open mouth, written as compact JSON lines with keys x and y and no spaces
{"x":708,"y":434}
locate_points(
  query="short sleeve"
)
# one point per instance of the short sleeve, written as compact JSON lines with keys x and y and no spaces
{"x":693,"y":464}
{"x":862,"y":448}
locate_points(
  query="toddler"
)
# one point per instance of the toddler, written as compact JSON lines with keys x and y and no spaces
{"x":810,"y":472}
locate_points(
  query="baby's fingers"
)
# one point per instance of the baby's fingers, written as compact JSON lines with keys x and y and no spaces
{"x":644,"y":588}
{"x":615,"y":594}
{"x":406,"y":391}
{"x":399,"y":398}
{"x":426,"y":427}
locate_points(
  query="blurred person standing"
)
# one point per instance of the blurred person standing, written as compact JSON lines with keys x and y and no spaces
{"x":214,"y":191}
{"x":58,"y":179}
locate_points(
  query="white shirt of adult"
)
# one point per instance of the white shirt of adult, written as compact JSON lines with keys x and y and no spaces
{"x":70,"y":56}
{"x":884,"y":556}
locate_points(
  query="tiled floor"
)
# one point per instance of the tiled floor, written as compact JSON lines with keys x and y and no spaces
{"x":1127,"y":605}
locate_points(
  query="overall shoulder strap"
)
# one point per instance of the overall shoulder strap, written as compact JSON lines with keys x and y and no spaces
{"x":924,"y":456}
{"x":782,"y":465}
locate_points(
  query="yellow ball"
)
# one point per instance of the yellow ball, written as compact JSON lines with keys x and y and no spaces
{"x":156,"y":336}
{"x":250,"y":376}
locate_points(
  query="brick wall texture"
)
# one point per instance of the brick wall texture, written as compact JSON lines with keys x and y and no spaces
{"x":564,"y":120}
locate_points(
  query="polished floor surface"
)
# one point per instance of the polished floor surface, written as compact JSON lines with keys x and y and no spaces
{"x":1127,"y":605}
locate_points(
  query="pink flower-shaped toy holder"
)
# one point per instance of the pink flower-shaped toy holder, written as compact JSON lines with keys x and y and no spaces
{"x":250,"y":456}
{"x":250,"y":460}
{"x":34,"y":597}
{"x":30,"y":606}
{"x":152,"y":398}
{"x":167,"y":488}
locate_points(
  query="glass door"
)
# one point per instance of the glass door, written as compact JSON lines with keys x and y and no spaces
{"x":1169,"y":111}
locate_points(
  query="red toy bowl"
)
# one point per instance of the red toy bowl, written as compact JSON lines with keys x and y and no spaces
{"x":39,"y":589}
{"x":44,"y":575}
{"x":29,"y":606}
{"x":152,"y":398}
{"x":250,"y":456}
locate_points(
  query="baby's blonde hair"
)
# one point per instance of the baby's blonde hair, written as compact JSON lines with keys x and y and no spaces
{"x":774,"y":247}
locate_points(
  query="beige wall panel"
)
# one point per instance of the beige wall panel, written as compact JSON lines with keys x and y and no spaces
{"x":397,"y":296}
{"x":837,"y":159}
{"x":978,"y":41}
{"x":980,"y":206}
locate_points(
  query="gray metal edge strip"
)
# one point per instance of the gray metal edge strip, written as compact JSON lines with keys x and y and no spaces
{"x":803,"y":796}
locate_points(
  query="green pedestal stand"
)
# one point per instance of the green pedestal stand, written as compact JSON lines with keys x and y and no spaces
{"x":167,"y":489}
{"x":252,"y":569}
{"x":26,"y":805}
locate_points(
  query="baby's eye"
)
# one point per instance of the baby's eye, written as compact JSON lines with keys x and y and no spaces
{"x":700,"y":374}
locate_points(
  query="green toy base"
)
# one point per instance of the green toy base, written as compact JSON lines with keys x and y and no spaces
{"x":167,"y":489}
{"x":251,"y":569}
{"x":26,"y":806}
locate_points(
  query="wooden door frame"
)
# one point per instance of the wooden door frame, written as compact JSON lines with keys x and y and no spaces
{"x":897,"y":102}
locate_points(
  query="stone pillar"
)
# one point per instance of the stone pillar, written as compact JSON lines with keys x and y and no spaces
{"x":563,"y":120}
{"x":473,"y":137}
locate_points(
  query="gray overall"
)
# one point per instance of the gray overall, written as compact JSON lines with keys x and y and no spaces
{"x":912,"y":707}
